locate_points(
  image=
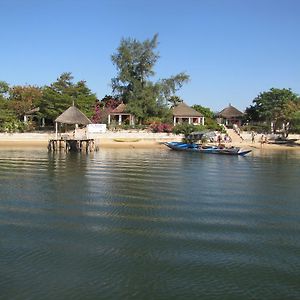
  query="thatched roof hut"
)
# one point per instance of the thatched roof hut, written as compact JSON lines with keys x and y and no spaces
{"x":183,"y":113}
{"x":120,"y":115}
{"x":230,"y":112}
{"x":183,"y":110}
{"x":73,"y":116}
{"x":121,"y":108}
{"x":230,"y":115}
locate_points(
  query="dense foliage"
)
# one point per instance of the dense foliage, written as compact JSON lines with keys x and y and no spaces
{"x":279,"y":107}
{"x":47,"y":102}
{"x":14,"y":102}
{"x":103,"y":108}
{"x":135,"y":63}
{"x":205,"y":111}
{"x":149,"y":101}
{"x":161,"y":127}
{"x":187,"y":129}
{"x":209,"y":120}
{"x":63,"y":93}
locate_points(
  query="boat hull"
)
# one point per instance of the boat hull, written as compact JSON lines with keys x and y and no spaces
{"x":179,"y":146}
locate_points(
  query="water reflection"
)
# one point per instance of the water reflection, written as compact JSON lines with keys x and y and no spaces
{"x":148,"y":224}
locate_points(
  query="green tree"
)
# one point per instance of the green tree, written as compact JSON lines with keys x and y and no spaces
{"x":295,"y":122}
{"x":210,"y":121}
{"x":175,"y":100}
{"x":205,"y":111}
{"x":7,"y":115}
{"x":24,"y":98}
{"x":276,"y":106}
{"x":135,"y":63}
{"x":8,"y":118}
{"x":62,"y":94}
{"x":4,"y":88}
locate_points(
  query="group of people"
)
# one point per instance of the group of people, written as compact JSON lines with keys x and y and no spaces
{"x":227,"y":139}
{"x":263,"y":138}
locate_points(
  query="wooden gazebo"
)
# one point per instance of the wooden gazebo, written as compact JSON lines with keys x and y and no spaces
{"x":75,"y":117}
{"x":71,"y":116}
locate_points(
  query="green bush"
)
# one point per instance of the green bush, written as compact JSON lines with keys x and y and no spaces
{"x":187,"y":129}
{"x":152,"y":120}
{"x":13,"y":126}
{"x":211,"y":124}
{"x":295,"y":129}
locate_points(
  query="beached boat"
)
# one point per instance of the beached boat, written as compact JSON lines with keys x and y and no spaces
{"x":282,"y":141}
{"x":192,"y":147}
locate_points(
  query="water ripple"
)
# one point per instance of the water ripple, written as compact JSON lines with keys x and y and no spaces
{"x":148,"y":224}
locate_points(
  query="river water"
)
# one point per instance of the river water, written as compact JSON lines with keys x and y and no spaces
{"x":149,"y":224}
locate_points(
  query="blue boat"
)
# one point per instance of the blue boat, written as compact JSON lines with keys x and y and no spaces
{"x":193,"y":147}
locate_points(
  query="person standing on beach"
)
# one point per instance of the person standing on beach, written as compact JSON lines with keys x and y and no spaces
{"x":262,"y":140}
{"x":252,"y":137}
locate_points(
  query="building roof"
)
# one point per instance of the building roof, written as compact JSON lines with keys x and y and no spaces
{"x":120,"y":109}
{"x":32,"y":111}
{"x":73,"y":116}
{"x":183,"y":110}
{"x":230,"y":112}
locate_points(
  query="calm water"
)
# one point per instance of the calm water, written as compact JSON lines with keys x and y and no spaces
{"x":149,"y":224}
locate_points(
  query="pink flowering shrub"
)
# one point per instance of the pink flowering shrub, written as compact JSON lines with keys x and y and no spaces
{"x":103,"y":108}
{"x":161,"y":127}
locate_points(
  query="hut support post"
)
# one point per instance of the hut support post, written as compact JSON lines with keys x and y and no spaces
{"x":56,"y":130}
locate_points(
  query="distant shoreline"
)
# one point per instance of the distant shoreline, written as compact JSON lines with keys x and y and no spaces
{"x":122,"y":140}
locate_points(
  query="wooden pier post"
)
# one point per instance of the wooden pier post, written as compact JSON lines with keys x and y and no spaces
{"x":75,"y":145}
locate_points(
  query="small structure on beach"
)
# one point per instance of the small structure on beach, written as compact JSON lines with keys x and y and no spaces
{"x":72,"y":116}
{"x":230,"y":116}
{"x":120,"y":116}
{"x":182,"y":113}
{"x":32,"y":116}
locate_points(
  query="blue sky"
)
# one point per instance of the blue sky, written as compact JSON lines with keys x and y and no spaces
{"x":232,"y":49}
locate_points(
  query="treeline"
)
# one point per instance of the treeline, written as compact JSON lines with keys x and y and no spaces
{"x":45,"y":103}
{"x":148,"y":100}
{"x":276,"y":110}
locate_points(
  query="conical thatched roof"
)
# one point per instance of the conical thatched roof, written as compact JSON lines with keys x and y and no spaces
{"x":121,"y":108}
{"x":183,"y":110}
{"x":73,"y":116}
{"x":230,"y":112}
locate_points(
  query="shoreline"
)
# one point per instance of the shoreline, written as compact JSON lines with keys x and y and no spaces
{"x":124,"y":140}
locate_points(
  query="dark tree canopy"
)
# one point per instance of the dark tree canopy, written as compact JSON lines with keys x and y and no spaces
{"x":62,"y":94}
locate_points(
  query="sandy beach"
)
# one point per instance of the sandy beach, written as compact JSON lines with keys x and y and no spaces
{"x":123,"y":140}
{"x":106,"y":140}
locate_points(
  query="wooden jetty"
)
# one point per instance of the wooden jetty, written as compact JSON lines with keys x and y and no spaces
{"x":74,"y":145}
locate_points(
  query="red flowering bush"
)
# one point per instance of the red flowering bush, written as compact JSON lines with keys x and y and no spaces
{"x":103,"y":108}
{"x":161,"y":127}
